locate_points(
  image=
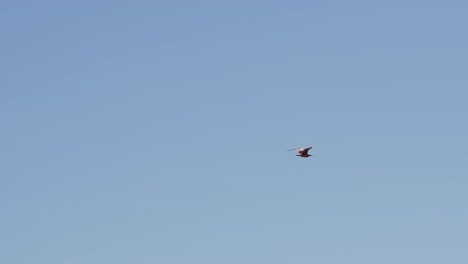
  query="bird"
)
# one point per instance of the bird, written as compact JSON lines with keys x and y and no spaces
{"x":302,"y":152}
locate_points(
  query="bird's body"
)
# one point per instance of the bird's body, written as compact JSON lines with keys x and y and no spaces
{"x":303,"y":153}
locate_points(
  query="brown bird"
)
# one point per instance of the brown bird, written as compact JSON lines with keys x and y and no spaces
{"x":303,"y":153}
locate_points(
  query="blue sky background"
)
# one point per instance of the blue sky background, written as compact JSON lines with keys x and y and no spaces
{"x":155,"y":132}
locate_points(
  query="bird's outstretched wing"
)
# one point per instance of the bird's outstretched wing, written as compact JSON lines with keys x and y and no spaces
{"x":306,"y":151}
{"x":291,"y":149}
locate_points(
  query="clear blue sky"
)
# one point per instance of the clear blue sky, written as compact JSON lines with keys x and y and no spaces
{"x":155,"y":132}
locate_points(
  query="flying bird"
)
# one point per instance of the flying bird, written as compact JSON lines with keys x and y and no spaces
{"x":303,"y":153}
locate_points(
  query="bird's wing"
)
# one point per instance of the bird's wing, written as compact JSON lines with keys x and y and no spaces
{"x":306,"y":150}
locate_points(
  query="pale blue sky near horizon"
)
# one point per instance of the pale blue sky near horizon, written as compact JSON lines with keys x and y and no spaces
{"x":156,"y":132}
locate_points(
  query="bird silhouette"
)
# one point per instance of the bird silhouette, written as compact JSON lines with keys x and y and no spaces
{"x":302,"y":152}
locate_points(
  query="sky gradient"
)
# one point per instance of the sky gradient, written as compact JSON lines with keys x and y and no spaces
{"x":155,"y":132}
